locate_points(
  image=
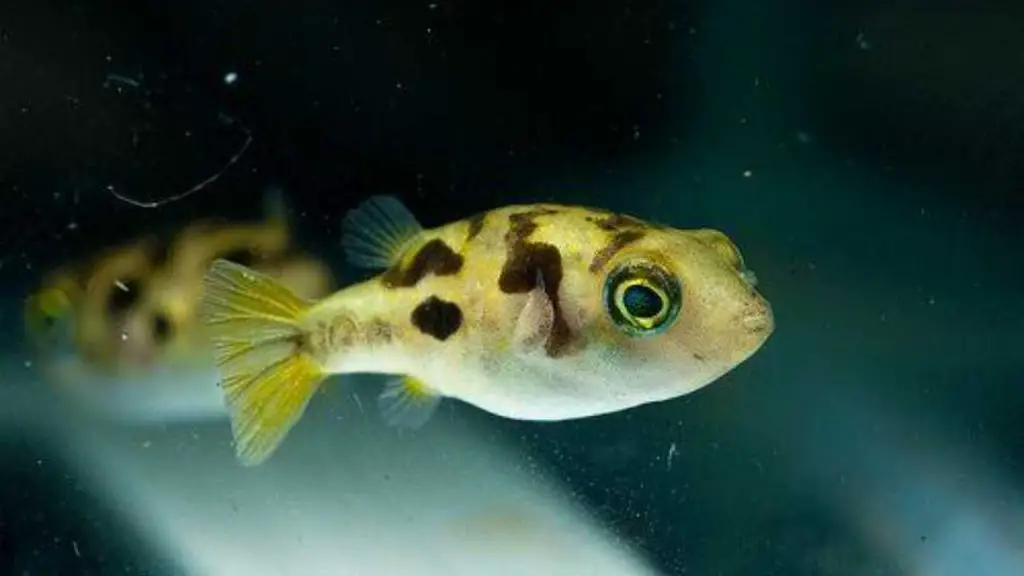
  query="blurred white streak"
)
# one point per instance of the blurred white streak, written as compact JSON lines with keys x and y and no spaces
{"x":163,"y":395}
{"x":344,"y":495}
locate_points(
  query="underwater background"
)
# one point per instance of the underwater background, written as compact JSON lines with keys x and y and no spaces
{"x":864,"y":156}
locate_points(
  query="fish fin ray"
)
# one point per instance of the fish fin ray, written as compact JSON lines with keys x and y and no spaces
{"x":267,"y":379}
{"x":407,"y":402}
{"x":376,"y":233}
{"x":535,"y":321}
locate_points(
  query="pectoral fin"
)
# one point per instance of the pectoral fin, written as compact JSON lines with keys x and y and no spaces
{"x":535,"y":322}
{"x":407,"y":402}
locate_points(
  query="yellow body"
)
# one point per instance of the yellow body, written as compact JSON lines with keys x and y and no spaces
{"x":536,"y":312}
{"x":130,"y":308}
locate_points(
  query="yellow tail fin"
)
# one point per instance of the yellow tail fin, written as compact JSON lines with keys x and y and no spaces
{"x":267,"y":378}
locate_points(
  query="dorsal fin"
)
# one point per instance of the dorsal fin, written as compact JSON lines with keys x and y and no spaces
{"x":377,"y":232}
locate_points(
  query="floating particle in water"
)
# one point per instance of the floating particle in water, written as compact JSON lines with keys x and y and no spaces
{"x":120,"y":83}
{"x":862,"y":42}
{"x":198,"y":187}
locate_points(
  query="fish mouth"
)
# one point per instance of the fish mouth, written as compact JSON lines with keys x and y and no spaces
{"x":760,"y":321}
{"x":749,"y":277}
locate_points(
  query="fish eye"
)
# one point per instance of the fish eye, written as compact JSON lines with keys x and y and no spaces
{"x":46,"y":309}
{"x":642,"y":299}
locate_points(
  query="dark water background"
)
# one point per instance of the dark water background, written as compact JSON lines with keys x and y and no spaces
{"x":864,"y":155}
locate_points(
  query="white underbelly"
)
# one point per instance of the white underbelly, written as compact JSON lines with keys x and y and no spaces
{"x":523,"y":391}
{"x":530,"y":387}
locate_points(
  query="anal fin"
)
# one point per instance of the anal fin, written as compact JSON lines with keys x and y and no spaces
{"x":407,"y":402}
{"x":376,"y":233}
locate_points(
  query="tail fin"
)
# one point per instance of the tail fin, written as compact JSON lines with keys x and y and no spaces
{"x":253,"y":323}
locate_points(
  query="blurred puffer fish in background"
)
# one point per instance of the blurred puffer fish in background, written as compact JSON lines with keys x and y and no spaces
{"x":119,"y":331}
{"x":531,"y":312}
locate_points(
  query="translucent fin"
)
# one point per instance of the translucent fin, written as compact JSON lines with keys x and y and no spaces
{"x":376,"y":233}
{"x":252,"y":322}
{"x":535,"y":320}
{"x":407,"y":402}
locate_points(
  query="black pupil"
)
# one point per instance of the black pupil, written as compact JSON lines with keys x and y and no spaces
{"x":642,"y":302}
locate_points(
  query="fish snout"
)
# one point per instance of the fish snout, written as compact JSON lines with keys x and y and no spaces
{"x":758,"y":318}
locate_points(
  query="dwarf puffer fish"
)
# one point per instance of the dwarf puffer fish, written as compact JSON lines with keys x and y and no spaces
{"x":118,"y":330}
{"x":130,"y":306}
{"x":530,"y":312}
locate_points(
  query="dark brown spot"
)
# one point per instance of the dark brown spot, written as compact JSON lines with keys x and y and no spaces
{"x":437,"y":318}
{"x":618,"y":242}
{"x":618,"y":222}
{"x":158,"y":251}
{"x":698,"y":357}
{"x":162,"y":327}
{"x":611,"y":222}
{"x":435,"y":257}
{"x":243,"y":256}
{"x":525,"y":264}
{"x":476,"y":225}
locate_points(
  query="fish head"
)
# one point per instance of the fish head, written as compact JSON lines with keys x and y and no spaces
{"x":672,"y":309}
